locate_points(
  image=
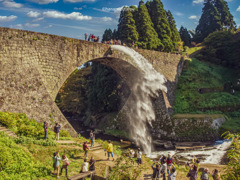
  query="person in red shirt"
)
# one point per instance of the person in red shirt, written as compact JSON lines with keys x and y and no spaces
{"x":169,"y":163}
{"x":85,"y":148}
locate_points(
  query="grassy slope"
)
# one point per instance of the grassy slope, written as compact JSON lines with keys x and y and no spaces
{"x":197,"y":74}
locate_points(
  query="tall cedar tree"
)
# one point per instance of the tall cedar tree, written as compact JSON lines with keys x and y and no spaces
{"x":175,"y":36}
{"x":209,"y":22}
{"x":161,"y":24}
{"x":148,"y":37}
{"x":126,"y":28}
{"x":226,"y":16}
{"x":108,"y":34}
{"x":185,"y":36}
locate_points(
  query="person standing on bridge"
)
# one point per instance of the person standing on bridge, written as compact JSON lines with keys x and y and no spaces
{"x":110,"y":149}
{"x":45,"y":126}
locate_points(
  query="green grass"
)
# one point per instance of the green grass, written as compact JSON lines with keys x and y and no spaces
{"x":118,"y":133}
{"x":198,"y":74}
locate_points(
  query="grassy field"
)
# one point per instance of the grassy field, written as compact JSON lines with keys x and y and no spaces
{"x":203,"y":75}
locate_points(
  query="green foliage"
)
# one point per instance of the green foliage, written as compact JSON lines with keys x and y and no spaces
{"x":233,"y":167}
{"x":215,"y":16}
{"x":107,"y":36}
{"x":116,"y":149}
{"x":17,"y":162}
{"x":148,"y":37}
{"x":161,"y":24}
{"x":124,"y":169}
{"x":197,"y":75}
{"x":126,"y":28}
{"x":185,"y":36}
{"x":118,"y":133}
{"x":223,"y":48}
{"x":28,"y":140}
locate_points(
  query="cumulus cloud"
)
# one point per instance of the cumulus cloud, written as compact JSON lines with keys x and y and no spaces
{"x":76,"y":1}
{"x":193,"y":17}
{"x":7,"y":18}
{"x":238,"y":9}
{"x":198,"y":1}
{"x":72,"y":16}
{"x":33,"y":14}
{"x":44,"y":1}
{"x":32,"y":25}
{"x":11,"y":3}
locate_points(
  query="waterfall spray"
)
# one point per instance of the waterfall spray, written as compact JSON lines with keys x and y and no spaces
{"x":140,"y":108}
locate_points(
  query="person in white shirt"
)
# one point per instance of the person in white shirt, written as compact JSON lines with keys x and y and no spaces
{"x":84,"y":167}
{"x":173,"y":174}
{"x":65,"y":163}
{"x":139,"y":156}
{"x":163,"y":169}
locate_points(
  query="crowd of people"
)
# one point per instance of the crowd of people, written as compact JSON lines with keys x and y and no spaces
{"x":91,"y":38}
{"x":163,"y":168}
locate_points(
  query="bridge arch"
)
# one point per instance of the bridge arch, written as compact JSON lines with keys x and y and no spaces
{"x":33,"y":66}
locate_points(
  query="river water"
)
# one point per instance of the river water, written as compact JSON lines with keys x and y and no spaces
{"x":209,"y":155}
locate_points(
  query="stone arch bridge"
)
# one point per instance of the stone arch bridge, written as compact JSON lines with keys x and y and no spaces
{"x":33,"y":67}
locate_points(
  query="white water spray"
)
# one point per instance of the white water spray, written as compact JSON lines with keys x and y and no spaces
{"x":140,"y":108}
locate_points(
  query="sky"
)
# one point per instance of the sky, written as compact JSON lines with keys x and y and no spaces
{"x":74,"y":18}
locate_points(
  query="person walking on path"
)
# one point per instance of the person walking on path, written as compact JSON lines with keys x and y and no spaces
{"x":84,"y":167}
{"x":173,"y":174}
{"x":92,"y":164}
{"x":204,"y":175}
{"x":85,"y":36}
{"x":56,"y":159}
{"x":85,"y":148}
{"x":56,"y":130}
{"x":45,"y":126}
{"x":156,"y":171}
{"x":110,"y":149}
{"x":216,"y":175}
{"x":139,"y":156}
{"x":169,"y":163}
{"x":65,"y":163}
{"x":163,"y":169}
{"x":192,"y":174}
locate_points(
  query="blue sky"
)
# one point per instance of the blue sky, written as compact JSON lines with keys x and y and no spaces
{"x":73,"y":18}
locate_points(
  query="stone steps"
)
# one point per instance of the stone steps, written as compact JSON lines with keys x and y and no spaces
{"x":7,"y":131}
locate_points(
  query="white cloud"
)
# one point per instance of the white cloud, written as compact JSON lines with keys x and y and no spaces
{"x":11,"y":3}
{"x":76,"y":1}
{"x":238,"y":9}
{"x":7,"y":18}
{"x":193,"y":17}
{"x":73,"y":16}
{"x":38,"y":19}
{"x":44,"y":1}
{"x":33,"y":14}
{"x":32,"y":25}
{"x":198,"y":1}
{"x":17,"y":26}
{"x":178,"y":14}
{"x":78,"y":8}
{"x":116,"y":11}
{"x":106,"y":19}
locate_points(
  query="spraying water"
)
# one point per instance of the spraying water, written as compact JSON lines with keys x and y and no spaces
{"x":140,"y":108}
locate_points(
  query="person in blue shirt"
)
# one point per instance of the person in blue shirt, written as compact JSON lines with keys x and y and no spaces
{"x":56,"y":164}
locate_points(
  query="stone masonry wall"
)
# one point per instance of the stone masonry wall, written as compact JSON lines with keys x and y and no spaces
{"x":33,"y":67}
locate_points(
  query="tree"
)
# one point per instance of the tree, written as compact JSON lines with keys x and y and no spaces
{"x":209,"y":22}
{"x":175,"y":36}
{"x":148,"y":37}
{"x":115,"y":34}
{"x":107,"y":36}
{"x":126,"y":28}
{"x":161,"y":24}
{"x":226,"y":17}
{"x":185,"y":36}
